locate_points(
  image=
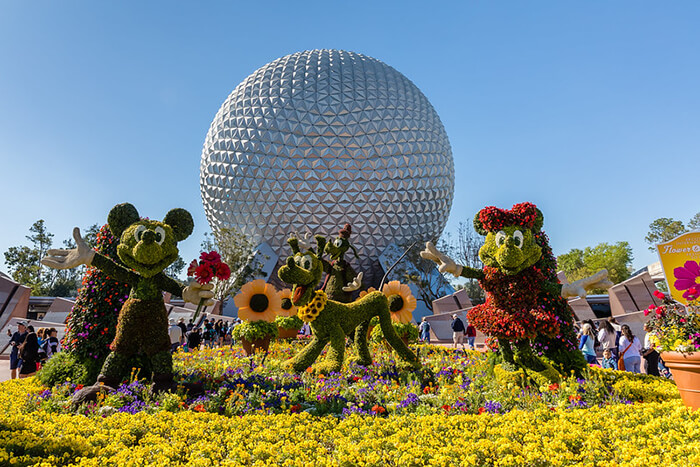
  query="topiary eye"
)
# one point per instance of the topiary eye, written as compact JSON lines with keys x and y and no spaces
{"x":338,"y":242}
{"x":139,"y":232}
{"x":500,"y":238}
{"x":518,"y":238}
{"x":306,"y":262}
{"x":160,"y":235}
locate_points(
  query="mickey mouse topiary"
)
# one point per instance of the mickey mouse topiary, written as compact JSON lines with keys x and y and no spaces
{"x":146,"y":248}
{"x":525,"y":303}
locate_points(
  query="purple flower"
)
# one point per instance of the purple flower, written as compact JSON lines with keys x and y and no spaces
{"x":686,"y":276}
{"x":492,"y":406}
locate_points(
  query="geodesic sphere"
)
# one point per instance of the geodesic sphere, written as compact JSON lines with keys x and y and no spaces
{"x":321,"y":138}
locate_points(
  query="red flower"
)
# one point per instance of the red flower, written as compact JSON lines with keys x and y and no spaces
{"x":199,"y":408}
{"x":446,"y":407}
{"x":690,"y":294}
{"x":553,"y":387}
{"x":482,"y":410}
{"x":295,"y":408}
{"x":378,"y":409}
{"x":192,"y":268}
{"x":223,"y":272}
{"x":79,"y":387}
{"x":211,"y":257}
{"x":204,"y":273}
{"x":658,"y":294}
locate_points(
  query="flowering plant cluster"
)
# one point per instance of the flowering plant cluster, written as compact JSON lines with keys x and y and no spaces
{"x":676,"y":327}
{"x":493,"y":219}
{"x":92,"y":322}
{"x":208,"y":267}
{"x":612,"y":435}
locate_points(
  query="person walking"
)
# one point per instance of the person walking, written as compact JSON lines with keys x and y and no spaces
{"x":471,"y":336}
{"x":587,"y":344}
{"x":457,"y":331}
{"x":424,"y":330}
{"x":194,"y":339}
{"x":175,"y":334}
{"x":29,"y":354}
{"x":16,"y":340}
{"x":630,"y":349}
{"x":607,"y":336}
{"x":651,"y":356}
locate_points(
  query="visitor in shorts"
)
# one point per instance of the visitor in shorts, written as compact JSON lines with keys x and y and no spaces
{"x":471,"y":336}
{"x":457,"y":331}
{"x":424,"y":330}
{"x":16,"y":340}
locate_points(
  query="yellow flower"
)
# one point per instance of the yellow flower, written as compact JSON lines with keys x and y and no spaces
{"x":401,"y":301}
{"x":365,"y":292}
{"x":258,"y":301}
{"x":286,"y":300}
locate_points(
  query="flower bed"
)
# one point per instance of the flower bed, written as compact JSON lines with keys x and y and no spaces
{"x":253,"y":413}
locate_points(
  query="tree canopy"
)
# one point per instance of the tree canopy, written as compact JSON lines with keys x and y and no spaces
{"x":616,"y":258}
{"x":664,"y":229}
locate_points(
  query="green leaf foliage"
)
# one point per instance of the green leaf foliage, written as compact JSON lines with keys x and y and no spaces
{"x":616,"y":258}
{"x":92,"y":323}
{"x":255,"y":330}
{"x":291,"y":322}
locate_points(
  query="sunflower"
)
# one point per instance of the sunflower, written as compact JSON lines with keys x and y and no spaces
{"x":258,"y":301}
{"x":401,"y":301}
{"x":287,"y":308}
{"x":365,"y":292}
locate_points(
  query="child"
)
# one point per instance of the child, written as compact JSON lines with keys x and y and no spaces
{"x":608,"y":360}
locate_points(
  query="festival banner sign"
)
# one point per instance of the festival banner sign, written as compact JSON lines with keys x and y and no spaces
{"x":680,"y":259}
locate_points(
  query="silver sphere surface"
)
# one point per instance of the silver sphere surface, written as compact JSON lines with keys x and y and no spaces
{"x":320,"y":138}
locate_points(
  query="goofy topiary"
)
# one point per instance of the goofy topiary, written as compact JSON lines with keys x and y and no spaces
{"x":525,"y":303}
{"x":146,"y":247}
{"x":332,"y":321}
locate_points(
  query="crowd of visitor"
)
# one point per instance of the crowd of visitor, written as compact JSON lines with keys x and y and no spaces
{"x":30,"y":349}
{"x":621,"y":349}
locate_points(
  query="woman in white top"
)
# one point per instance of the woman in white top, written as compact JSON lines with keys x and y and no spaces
{"x":607,"y":337}
{"x":630,"y":348}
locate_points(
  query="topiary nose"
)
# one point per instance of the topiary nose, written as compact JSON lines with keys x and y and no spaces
{"x":148,"y":237}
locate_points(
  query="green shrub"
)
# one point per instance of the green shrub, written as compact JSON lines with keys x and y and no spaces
{"x":62,"y":367}
{"x":291,"y":322}
{"x":255,"y":330}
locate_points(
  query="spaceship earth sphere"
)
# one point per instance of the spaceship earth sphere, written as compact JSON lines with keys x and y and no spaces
{"x":320,"y":138}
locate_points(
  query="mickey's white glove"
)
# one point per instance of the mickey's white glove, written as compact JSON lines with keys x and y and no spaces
{"x":354,"y":285}
{"x":195,"y":292}
{"x":444,"y":262}
{"x":67,"y":259}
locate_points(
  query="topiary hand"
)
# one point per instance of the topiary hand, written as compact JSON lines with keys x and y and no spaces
{"x":579,"y":288}
{"x":354,"y":285}
{"x":67,"y":259}
{"x":196,"y":292}
{"x":444,"y":262}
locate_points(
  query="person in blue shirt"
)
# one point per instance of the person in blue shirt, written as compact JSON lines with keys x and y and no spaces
{"x":15,"y":341}
{"x":608,"y":360}
{"x":587,"y":344}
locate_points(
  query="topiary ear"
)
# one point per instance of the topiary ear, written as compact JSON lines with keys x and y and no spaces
{"x":120,"y":217}
{"x":181,"y":222}
{"x":539,"y":222}
{"x":478,"y":226}
{"x":321,"y":243}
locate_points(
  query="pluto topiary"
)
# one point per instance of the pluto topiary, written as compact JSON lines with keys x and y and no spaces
{"x":525,"y":303}
{"x":331,"y":320}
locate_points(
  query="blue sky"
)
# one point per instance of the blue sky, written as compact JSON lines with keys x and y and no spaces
{"x":590,"y":110}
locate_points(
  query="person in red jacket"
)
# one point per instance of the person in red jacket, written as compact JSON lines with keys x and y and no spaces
{"x":471,"y":336}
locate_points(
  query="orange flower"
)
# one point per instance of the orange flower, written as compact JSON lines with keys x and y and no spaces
{"x":286,"y":301}
{"x":401,"y":301}
{"x":365,"y":292}
{"x":258,"y":301}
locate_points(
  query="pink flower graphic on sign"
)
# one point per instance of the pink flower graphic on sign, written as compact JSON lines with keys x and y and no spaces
{"x":687,"y":276}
